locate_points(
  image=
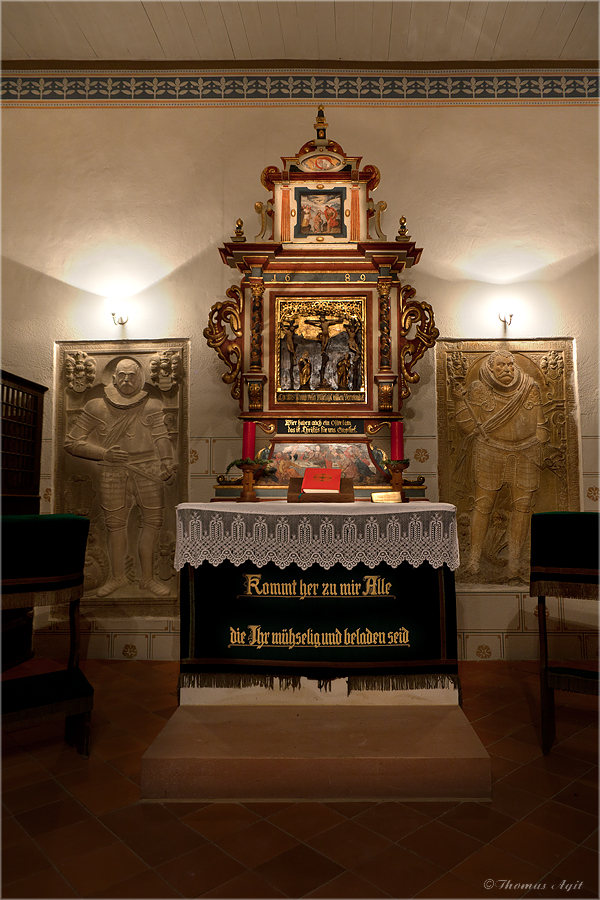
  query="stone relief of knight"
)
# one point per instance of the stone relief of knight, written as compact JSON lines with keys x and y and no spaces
{"x":125,"y":433}
{"x":505,"y":435}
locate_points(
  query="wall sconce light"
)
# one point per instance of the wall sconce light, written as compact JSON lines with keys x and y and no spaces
{"x":505,"y":318}
{"x":120,"y":315}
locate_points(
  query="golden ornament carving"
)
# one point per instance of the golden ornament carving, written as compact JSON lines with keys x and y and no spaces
{"x":255,"y":396}
{"x":385,"y":396}
{"x":420,"y":314}
{"x":228,"y":312}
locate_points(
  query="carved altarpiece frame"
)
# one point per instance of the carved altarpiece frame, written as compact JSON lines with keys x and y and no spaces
{"x":82,"y":370}
{"x":551,"y":365}
{"x":322,"y":327}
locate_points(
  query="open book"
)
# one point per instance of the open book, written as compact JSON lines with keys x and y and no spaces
{"x":321,"y":481}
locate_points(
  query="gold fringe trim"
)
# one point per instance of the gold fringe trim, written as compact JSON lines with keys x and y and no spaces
{"x":577,"y":683}
{"x":403,"y":682}
{"x":575,"y":590}
{"x":236,"y":680}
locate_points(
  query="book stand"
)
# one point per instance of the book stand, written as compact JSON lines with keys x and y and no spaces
{"x":345,"y":494}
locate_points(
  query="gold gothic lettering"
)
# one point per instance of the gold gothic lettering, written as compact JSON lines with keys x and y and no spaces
{"x":374,"y":586}
{"x":255,"y":638}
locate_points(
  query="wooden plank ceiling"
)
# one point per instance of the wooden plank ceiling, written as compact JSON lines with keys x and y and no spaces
{"x":311,"y":30}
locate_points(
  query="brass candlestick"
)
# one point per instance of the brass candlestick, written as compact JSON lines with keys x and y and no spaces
{"x":395,"y":468}
{"x":248,"y":494}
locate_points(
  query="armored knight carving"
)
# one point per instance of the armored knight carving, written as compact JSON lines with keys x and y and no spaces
{"x":125,"y":432}
{"x":504,"y":425}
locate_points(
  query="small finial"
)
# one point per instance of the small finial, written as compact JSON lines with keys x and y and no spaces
{"x":403,"y":230}
{"x":321,"y":126}
{"x":239,"y":231}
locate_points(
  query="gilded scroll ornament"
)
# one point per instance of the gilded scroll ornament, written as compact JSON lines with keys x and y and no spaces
{"x":374,"y":427}
{"x":265,"y":211}
{"x":267,"y":427}
{"x":419,"y":314}
{"x":217,"y":337}
{"x":374,"y":211}
{"x":267,"y":176}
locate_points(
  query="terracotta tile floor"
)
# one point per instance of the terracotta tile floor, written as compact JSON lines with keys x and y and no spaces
{"x":76,"y":828}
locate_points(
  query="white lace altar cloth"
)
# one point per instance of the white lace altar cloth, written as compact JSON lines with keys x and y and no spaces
{"x":320,"y":534}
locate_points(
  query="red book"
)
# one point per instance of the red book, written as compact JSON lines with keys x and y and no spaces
{"x":321,"y":481}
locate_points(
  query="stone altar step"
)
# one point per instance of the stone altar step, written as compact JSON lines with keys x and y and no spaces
{"x":209,"y":753}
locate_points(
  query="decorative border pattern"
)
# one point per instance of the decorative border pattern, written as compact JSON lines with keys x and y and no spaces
{"x":202,"y":87}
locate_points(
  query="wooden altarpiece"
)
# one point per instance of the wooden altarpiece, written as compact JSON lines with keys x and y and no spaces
{"x":322,"y":335}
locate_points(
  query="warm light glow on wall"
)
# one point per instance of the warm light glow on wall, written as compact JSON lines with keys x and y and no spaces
{"x":533,"y":307}
{"x":129,"y":277}
{"x":113,"y":270}
{"x":503,"y":265}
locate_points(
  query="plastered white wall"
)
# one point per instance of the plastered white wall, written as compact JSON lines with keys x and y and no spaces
{"x":490,"y":193}
{"x":503,"y":201}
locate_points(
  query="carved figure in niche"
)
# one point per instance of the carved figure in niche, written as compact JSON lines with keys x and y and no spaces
{"x":343,"y":371}
{"x":289,"y":333}
{"x":352,"y":329}
{"x":125,"y":432}
{"x":324,"y":337}
{"x":305,"y":369}
{"x":502,"y":419}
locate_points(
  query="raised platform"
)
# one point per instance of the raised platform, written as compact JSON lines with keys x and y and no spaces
{"x":295,"y":752}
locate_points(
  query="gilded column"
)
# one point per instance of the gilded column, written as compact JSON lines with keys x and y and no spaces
{"x":257,"y":286}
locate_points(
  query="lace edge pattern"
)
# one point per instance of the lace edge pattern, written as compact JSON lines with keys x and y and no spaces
{"x":324,"y":540}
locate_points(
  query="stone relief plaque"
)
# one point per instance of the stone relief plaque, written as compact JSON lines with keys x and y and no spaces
{"x":508,"y":434}
{"x":121,"y":460}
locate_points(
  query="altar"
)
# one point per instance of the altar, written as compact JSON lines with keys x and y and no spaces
{"x":317,"y":591}
{"x":318,"y":657}
{"x":318,"y":640}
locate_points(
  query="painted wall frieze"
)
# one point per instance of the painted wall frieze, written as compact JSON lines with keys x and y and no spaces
{"x":202,"y":87}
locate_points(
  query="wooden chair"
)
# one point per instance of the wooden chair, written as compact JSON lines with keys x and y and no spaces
{"x":42,"y":564}
{"x":564,"y":563}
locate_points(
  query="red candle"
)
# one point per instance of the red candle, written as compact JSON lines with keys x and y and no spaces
{"x":397,"y":436}
{"x":248,"y":440}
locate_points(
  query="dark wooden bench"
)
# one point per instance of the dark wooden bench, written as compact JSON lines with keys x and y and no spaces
{"x":42,"y":564}
{"x":564,"y":563}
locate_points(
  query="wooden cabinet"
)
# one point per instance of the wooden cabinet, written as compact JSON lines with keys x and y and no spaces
{"x":22,"y":410}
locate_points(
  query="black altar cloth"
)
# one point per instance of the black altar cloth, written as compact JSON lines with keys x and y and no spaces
{"x":329,"y":622}
{"x":379,"y":625}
